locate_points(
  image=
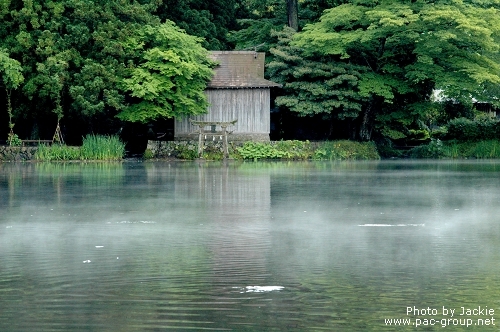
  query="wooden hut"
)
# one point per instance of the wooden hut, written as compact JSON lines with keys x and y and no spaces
{"x":238,"y":91}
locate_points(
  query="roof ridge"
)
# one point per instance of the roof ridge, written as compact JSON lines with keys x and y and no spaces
{"x":239,"y":69}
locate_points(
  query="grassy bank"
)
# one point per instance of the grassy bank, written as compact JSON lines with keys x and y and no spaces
{"x":303,"y":150}
{"x":436,"y":149}
{"x":94,"y":147}
{"x":275,"y":150}
{"x":97,"y":147}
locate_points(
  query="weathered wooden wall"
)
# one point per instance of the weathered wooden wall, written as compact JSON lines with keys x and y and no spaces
{"x":249,"y":106}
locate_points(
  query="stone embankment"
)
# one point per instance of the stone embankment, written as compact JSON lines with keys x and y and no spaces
{"x":17,"y":153}
{"x":159,"y":149}
{"x":185,"y":149}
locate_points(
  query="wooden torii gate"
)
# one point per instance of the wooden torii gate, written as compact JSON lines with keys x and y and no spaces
{"x":202,"y":133}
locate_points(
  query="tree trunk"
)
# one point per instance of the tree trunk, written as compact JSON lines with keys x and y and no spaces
{"x":365,"y":131}
{"x":9,"y":108}
{"x":352,"y":129}
{"x":292,"y":9}
{"x":330,"y":130}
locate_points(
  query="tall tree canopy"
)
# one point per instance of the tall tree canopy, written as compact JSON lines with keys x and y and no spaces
{"x":171,"y":78}
{"x":78,"y":55}
{"x":258,"y":18}
{"x":11,"y":77}
{"x":210,"y":20}
{"x":406,"y":50}
{"x":314,"y":84}
{"x":372,"y":65}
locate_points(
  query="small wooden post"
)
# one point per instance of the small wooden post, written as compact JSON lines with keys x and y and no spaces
{"x":58,"y":135}
{"x":224,"y":143}
{"x":200,"y":141}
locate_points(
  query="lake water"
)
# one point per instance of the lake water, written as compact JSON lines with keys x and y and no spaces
{"x":286,"y":246}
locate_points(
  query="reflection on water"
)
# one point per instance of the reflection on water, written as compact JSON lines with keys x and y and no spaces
{"x":247,"y":246}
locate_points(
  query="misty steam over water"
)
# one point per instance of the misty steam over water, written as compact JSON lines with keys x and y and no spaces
{"x":303,"y":246}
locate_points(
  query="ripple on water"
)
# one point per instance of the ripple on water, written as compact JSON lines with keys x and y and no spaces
{"x":232,"y":249}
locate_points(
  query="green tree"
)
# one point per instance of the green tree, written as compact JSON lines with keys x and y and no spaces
{"x":45,"y":57}
{"x":75,"y":54}
{"x":314,"y":84}
{"x":258,"y":18}
{"x":12,"y":77}
{"x":171,"y":79}
{"x":210,"y":20}
{"x":408,"y":50}
{"x":256,"y":21}
{"x":50,"y":81}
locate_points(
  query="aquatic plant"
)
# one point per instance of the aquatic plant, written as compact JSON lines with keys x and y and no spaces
{"x":14,"y":140}
{"x":260,"y":150}
{"x":433,"y":150}
{"x":186,"y":151}
{"x":346,"y":150}
{"x":294,"y":149}
{"x":148,"y":154}
{"x":95,"y":147}
{"x":302,"y":150}
{"x":98,"y":147}
{"x":57,"y":152}
{"x":489,"y":149}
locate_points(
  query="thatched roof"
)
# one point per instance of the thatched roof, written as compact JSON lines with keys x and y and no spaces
{"x":239,"y":70}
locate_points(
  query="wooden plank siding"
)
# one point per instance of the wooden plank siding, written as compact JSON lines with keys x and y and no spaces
{"x":238,"y":91}
{"x":251,"y":107}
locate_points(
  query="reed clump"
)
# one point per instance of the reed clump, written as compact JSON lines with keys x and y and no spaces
{"x":489,"y":149}
{"x":94,"y":147}
{"x":57,"y":152}
{"x":436,"y":149}
{"x":98,"y":147}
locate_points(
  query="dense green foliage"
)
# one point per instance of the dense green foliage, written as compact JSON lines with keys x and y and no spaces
{"x":346,"y":150}
{"x":258,"y":19}
{"x":481,"y":128}
{"x":88,"y":61}
{"x":10,"y":71}
{"x":11,"y":75}
{"x":186,"y":151}
{"x":373,"y":68}
{"x":14,"y":140}
{"x":314,"y":85}
{"x":74,"y":54}
{"x":95,"y":147}
{"x":300,"y":150}
{"x":171,"y":78}
{"x":279,"y":150}
{"x":391,"y":56}
{"x":210,"y":20}
{"x":275,"y":150}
